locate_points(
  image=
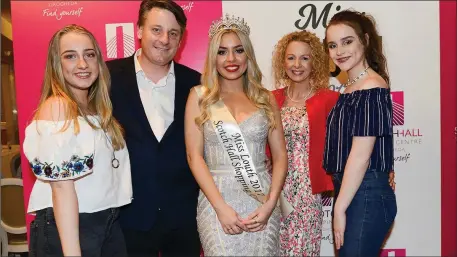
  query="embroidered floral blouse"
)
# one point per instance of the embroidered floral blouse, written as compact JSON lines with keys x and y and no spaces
{"x":56,"y":155}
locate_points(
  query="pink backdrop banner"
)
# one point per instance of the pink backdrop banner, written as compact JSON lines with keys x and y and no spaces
{"x":448,"y":128}
{"x":113,"y":24}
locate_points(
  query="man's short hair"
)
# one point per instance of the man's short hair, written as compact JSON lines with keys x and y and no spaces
{"x":178,"y":12}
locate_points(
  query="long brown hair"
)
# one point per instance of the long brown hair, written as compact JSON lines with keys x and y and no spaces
{"x":99,"y":102}
{"x":364,"y":24}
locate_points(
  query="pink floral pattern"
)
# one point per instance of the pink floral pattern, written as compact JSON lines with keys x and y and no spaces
{"x":301,"y":230}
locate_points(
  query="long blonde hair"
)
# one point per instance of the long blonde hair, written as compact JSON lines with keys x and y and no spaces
{"x":99,"y":102}
{"x":252,"y":79}
{"x":319,"y":77}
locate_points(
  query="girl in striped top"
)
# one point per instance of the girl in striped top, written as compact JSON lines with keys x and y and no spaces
{"x":359,"y":144}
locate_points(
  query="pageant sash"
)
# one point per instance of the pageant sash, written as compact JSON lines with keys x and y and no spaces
{"x":230,"y":136}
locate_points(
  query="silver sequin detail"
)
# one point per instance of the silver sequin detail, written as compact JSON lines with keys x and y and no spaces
{"x":213,"y":238}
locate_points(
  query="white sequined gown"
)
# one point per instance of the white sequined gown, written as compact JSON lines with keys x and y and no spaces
{"x":213,"y":238}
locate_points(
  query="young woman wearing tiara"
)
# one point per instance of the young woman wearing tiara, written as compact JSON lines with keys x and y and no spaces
{"x":229,"y":119}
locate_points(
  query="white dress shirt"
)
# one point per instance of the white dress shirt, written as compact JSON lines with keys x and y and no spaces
{"x":158,"y":99}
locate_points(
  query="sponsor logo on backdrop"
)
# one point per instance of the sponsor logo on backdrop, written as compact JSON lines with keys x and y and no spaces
{"x":120,"y":40}
{"x":311,"y":17}
{"x":188,"y":7}
{"x":61,"y":9}
{"x":309,"y":13}
{"x":404,"y":137}
{"x":398,"y":108}
{"x":336,"y":85}
{"x":120,"y":37}
{"x":393,"y":252}
{"x":327,"y":203}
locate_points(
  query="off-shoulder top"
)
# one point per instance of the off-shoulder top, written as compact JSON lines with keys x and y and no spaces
{"x":360,"y":113}
{"x":85,"y":157}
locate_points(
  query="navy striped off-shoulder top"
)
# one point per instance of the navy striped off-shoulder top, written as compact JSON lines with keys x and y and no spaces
{"x":365,"y":112}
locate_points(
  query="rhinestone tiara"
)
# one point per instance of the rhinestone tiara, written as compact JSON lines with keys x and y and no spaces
{"x":228,"y":23}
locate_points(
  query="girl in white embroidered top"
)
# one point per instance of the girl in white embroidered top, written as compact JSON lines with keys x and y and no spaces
{"x":77,"y":152}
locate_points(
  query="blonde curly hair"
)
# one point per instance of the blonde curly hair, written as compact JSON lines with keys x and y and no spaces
{"x":319,"y":77}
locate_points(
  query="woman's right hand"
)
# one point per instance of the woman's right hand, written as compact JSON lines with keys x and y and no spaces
{"x":230,"y":221}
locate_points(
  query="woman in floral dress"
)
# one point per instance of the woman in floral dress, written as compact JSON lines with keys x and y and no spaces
{"x":300,"y":66}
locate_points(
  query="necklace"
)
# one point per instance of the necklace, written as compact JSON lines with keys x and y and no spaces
{"x":299,"y":101}
{"x":357,"y":78}
{"x":114,"y":161}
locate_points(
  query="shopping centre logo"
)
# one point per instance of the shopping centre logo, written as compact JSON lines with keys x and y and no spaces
{"x":393,"y":252}
{"x":327,"y":199}
{"x":398,"y":108}
{"x":405,"y":138}
{"x":120,"y":40}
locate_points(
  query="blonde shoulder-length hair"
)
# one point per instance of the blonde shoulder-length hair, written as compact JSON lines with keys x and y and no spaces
{"x":319,"y":77}
{"x":252,"y":79}
{"x":99,"y":103}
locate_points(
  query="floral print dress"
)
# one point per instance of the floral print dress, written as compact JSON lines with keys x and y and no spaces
{"x":301,"y":230}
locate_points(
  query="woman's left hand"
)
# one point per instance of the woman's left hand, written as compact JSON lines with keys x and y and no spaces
{"x":258,"y":220}
{"x":392,"y":180}
{"x":339,"y":226}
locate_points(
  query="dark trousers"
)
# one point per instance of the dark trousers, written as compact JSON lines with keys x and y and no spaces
{"x":162,"y":239}
{"x":100,"y":235}
{"x":369,"y":216}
